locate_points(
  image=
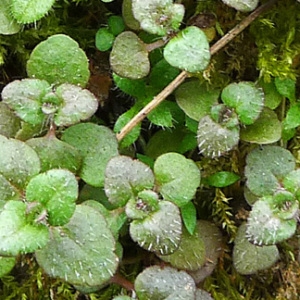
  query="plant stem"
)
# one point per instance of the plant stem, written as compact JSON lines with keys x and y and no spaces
{"x":123,"y":282}
{"x":183,"y":75}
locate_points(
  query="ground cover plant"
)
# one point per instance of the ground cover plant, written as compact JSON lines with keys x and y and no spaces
{"x":149,"y":149}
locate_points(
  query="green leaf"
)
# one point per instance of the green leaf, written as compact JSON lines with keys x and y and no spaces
{"x":82,"y":251}
{"x":173,"y":140}
{"x":96,"y":144}
{"x":30,"y":11}
{"x":264,"y":227}
{"x":189,"y":50}
{"x":122,"y":120}
{"x":6,"y":265}
{"x":246,"y":99}
{"x":222,"y":179}
{"x":18,"y":162}
{"x":242,"y":5}
{"x":272,"y":97}
{"x":132,"y":87}
{"x":286,"y":87}
{"x":177,"y":178}
{"x":248,"y":258}
{"x":59,"y":60}
{"x":189,"y":216}
{"x":164,"y":283}
{"x":104,"y":39}
{"x":195,"y":99}
{"x":25,"y":98}
{"x":55,"y":154}
{"x":213,"y":243}
{"x":125,"y":178}
{"x":160,"y":232}
{"x":56,"y":190}
{"x":142,"y":206}
{"x":190,"y":254}
{"x":8,"y":191}
{"x":162,"y":74}
{"x":8,"y":25}
{"x":162,"y":115}
{"x":292,"y":119}
{"x":159,"y":16}
{"x":9,"y":122}
{"x":214,"y":139}
{"x":19,"y":233}
{"x":128,"y":17}
{"x":129,"y":56}
{"x":77,"y":105}
{"x":265,"y":167}
{"x":265,"y":130}
{"x":116,"y":24}
{"x":291,"y":181}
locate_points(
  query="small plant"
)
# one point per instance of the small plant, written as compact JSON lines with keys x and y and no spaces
{"x":216,"y":163}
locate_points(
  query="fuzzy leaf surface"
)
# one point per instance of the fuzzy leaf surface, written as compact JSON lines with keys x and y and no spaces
{"x":59,"y":60}
{"x":25,"y":98}
{"x":9,"y":122}
{"x":30,"y":11}
{"x":242,"y":5}
{"x":265,"y":166}
{"x":97,"y":145}
{"x":8,"y":24}
{"x":177,"y":177}
{"x":159,"y":232}
{"x":189,"y":50}
{"x":164,"y":284}
{"x":249,"y":258}
{"x":57,"y":191}
{"x":129,"y":56}
{"x":18,"y":162}
{"x":55,"y":154}
{"x":125,"y":177}
{"x":158,"y":16}
{"x":19,"y":233}
{"x":246,"y":99}
{"x":82,"y":251}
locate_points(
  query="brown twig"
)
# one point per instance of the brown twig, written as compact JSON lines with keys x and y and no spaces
{"x":183,"y":75}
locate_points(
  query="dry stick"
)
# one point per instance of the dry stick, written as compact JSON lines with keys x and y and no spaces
{"x":183,"y":75}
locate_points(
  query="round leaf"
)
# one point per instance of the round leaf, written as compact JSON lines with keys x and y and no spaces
{"x":6,"y":265}
{"x":125,"y":177}
{"x":195,"y":99}
{"x":30,"y":11}
{"x":158,"y":16}
{"x":9,"y":122}
{"x":96,"y":144}
{"x":25,"y":98}
{"x":59,"y":60}
{"x":8,"y":24}
{"x":18,"y":232}
{"x":55,"y":154}
{"x":164,"y":283}
{"x":272,"y":97}
{"x":18,"y":162}
{"x":248,"y":258}
{"x":161,"y":231}
{"x":78,"y":104}
{"x":129,"y":56}
{"x":265,"y":166}
{"x":265,"y":130}
{"x":115,"y":24}
{"x":266,"y":228}
{"x":177,"y":177}
{"x":104,"y":39}
{"x":246,"y":99}
{"x":57,"y":191}
{"x":242,"y":5}
{"x":215,"y":139}
{"x":190,"y":254}
{"x":81,"y":252}
{"x":189,"y":50}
